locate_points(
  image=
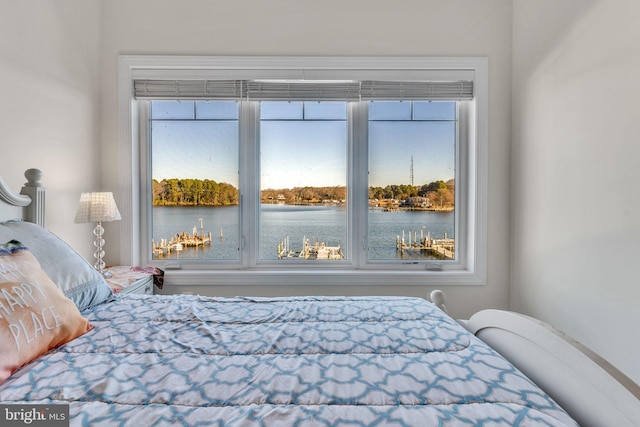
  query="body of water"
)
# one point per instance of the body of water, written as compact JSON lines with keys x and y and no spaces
{"x":325,"y":224}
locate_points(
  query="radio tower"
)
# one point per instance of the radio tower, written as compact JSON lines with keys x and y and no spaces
{"x":411,"y":172}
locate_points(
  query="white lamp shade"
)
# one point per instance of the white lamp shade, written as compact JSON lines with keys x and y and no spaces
{"x":97,"y":207}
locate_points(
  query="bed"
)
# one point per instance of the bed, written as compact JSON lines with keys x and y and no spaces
{"x":142,"y":360}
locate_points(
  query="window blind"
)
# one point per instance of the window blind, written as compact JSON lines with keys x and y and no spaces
{"x":189,"y":89}
{"x":389,"y":90}
{"x":307,"y":90}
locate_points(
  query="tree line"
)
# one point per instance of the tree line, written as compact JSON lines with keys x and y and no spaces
{"x":193,"y":192}
{"x":439,"y":193}
{"x":304,"y":194}
{"x":197,"y":192}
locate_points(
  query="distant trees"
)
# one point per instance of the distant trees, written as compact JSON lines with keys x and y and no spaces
{"x":304,"y":194}
{"x":193,"y":192}
{"x":196,"y":192}
{"x":441,"y":194}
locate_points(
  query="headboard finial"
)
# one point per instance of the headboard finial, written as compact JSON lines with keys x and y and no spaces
{"x":33,"y":177}
{"x":33,"y":188}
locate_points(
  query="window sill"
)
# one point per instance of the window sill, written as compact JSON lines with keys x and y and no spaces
{"x":264,"y":277}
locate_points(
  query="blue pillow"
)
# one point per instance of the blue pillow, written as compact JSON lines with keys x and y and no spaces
{"x":77,"y":279}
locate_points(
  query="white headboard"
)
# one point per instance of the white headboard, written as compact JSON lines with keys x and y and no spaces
{"x":28,"y":204}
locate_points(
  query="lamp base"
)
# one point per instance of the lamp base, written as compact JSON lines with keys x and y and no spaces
{"x":99,"y":244}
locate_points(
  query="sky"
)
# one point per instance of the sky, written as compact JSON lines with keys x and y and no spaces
{"x":298,"y":153}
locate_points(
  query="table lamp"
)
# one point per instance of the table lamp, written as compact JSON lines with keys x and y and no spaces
{"x":97,"y":207}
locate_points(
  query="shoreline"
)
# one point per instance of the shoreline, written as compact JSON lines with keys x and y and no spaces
{"x":382,"y":208}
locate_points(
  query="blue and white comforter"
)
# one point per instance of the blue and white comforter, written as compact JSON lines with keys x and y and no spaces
{"x":308,"y":361}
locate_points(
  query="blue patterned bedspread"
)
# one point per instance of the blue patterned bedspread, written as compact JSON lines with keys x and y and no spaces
{"x":308,"y":361}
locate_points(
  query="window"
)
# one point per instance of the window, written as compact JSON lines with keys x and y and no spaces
{"x":303,"y":180}
{"x":339,"y":168}
{"x":194,"y":151}
{"x":412,"y":169}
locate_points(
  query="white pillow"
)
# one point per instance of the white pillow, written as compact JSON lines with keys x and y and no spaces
{"x":77,"y":279}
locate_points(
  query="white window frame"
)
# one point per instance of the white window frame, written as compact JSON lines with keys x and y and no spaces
{"x":469,"y":268}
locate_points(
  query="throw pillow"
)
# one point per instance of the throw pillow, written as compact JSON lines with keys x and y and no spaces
{"x":35,"y":316}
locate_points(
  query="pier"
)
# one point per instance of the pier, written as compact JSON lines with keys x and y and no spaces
{"x":317,"y":250}
{"x":183,"y":240}
{"x":442,"y":248}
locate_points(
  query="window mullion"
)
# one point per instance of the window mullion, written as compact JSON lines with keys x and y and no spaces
{"x":464,"y":184}
{"x":144,"y":129}
{"x":249,"y":172}
{"x":358,"y":186}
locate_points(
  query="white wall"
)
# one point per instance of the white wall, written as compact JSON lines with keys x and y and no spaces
{"x":332,"y":28}
{"x":576,"y":178}
{"x":49,"y":109}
